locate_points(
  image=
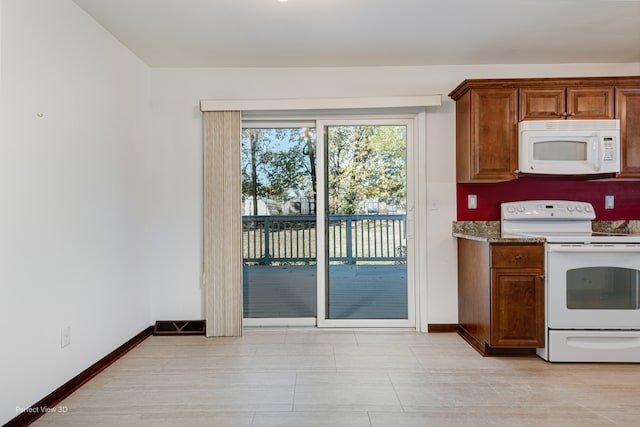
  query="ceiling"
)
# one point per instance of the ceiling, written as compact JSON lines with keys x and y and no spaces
{"x":351,"y":33}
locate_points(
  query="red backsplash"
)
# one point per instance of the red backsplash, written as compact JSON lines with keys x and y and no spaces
{"x":490,"y":195}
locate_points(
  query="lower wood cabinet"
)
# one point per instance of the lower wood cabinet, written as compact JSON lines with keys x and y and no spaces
{"x":501,"y":295}
{"x":517,"y":308}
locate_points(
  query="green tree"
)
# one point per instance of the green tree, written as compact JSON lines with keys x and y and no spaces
{"x":278,"y":163}
{"x":366,"y":162}
{"x":253,"y":149}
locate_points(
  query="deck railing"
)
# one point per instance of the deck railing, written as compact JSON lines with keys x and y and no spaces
{"x":352,"y":238}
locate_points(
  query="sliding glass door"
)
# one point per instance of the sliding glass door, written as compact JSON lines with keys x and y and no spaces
{"x":325,"y":223}
{"x":279,"y":224}
{"x":363,"y":217}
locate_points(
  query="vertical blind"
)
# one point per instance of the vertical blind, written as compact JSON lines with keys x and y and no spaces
{"x":222,"y":223}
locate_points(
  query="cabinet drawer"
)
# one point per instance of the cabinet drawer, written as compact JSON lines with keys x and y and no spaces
{"x":508,"y":256}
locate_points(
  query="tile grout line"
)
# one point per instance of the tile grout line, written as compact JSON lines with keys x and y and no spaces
{"x":293,"y":400}
{"x":416,"y":356}
{"x":395,"y":391}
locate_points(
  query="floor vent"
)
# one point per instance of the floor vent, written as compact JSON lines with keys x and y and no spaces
{"x":179,"y":327}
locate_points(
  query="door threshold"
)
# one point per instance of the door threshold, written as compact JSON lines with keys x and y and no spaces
{"x":279,"y":321}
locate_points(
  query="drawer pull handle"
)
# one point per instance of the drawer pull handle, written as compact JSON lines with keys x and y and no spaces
{"x":518,"y":257}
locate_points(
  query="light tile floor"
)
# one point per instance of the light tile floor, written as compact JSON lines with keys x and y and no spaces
{"x":311,"y":377}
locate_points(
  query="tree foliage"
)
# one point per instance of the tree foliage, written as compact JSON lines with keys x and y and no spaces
{"x":278,"y":164}
{"x":364,"y":163}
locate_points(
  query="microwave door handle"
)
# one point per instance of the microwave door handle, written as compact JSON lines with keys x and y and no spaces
{"x":598,"y":148}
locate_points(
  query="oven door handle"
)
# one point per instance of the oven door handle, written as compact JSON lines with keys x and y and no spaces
{"x":599,"y":248}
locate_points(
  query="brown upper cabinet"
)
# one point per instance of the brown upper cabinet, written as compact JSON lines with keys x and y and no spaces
{"x":487,"y":135}
{"x":488,"y":112}
{"x":549,"y":103}
{"x":628,"y":112}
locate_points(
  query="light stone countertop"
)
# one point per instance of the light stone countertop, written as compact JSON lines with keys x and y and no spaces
{"x":625,"y":226}
{"x":489,"y":231}
{"x":486,"y":231}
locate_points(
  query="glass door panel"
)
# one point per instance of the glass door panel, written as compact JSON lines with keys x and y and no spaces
{"x":366,"y":212}
{"x":279,"y":222}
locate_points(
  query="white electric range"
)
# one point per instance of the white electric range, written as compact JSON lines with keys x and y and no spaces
{"x":592,"y":281}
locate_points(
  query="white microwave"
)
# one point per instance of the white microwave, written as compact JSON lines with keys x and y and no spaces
{"x":569,"y":147}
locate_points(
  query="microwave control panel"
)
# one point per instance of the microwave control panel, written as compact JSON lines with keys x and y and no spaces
{"x":609,"y":154}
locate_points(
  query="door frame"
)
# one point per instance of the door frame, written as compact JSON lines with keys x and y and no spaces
{"x":417,"y":211}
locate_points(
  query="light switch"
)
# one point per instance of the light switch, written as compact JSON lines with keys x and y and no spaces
{"x":472,"y":201}
{"x":609,"y":201}
{"x":435,"y":204}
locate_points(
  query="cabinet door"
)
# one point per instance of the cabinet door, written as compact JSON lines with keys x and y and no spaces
{"x":517,"y":308}
{"x":590,"y":103}
{"x":542,"y":103}
{"x":494,"y":134}
{"x":571,"y":103}
{"x":628,"y":111}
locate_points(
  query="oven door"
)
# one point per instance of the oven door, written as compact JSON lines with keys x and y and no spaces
{"x":593,"y":286}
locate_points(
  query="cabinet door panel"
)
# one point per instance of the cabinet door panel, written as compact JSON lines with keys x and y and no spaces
{"x":542,"y":104}
{"x":590,"y":102}
{"x":628,"y":111}
{"x":517,"y":308}
{"x":494,"y":133}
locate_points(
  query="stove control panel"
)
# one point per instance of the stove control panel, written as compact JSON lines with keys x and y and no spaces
{"x":547,"y":210}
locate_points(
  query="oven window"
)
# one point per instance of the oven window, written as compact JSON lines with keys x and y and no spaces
{"x":605,"y":288}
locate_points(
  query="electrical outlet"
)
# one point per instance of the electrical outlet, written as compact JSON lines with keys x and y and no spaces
{"x":65,"y":337}
{"x":472,"y":201}
{"x":609,"y":201}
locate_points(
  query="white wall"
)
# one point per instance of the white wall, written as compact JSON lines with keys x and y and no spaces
{"x":177,"y":136}
{"x":75,"y":191}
